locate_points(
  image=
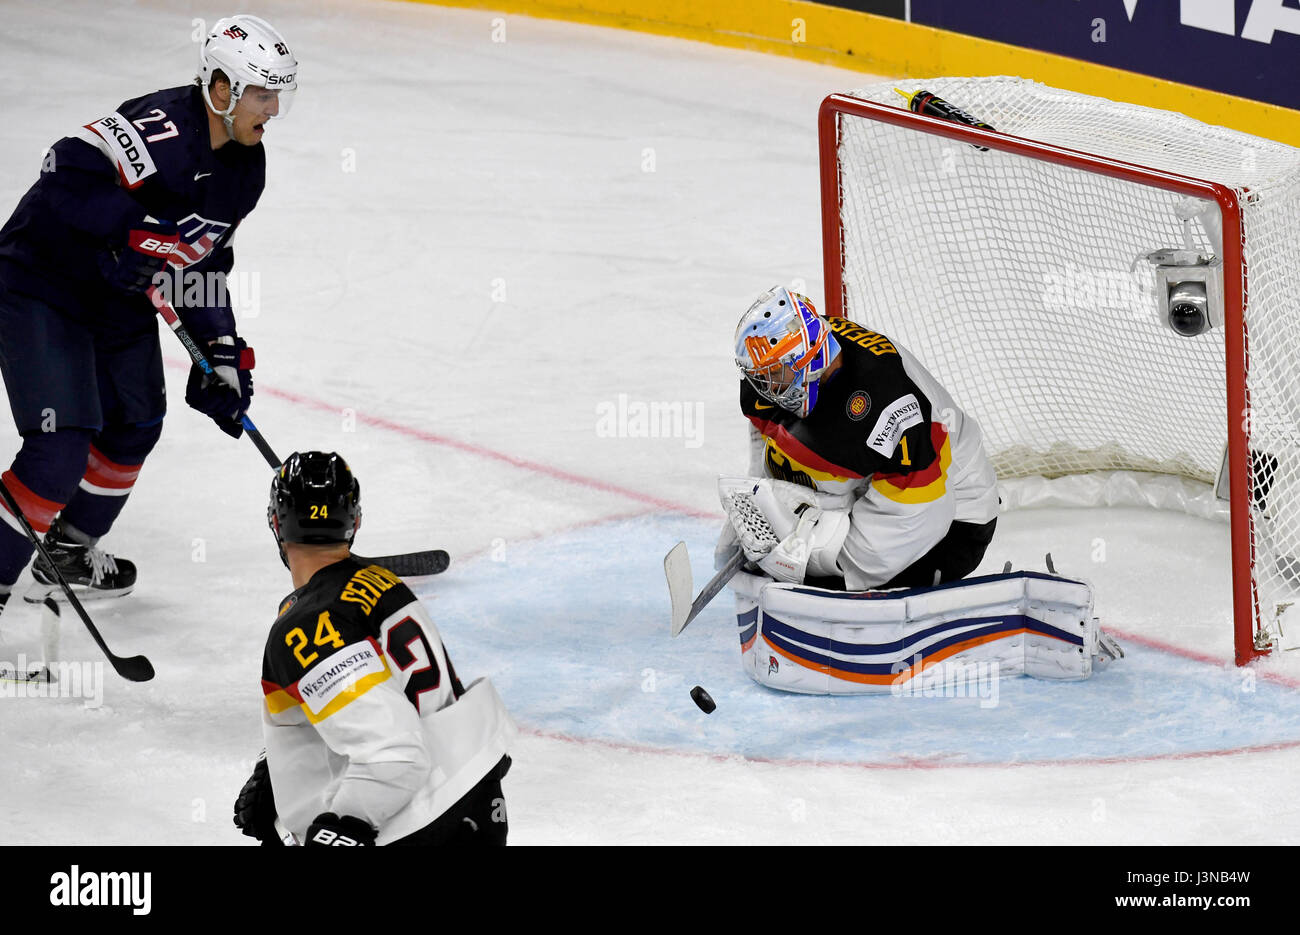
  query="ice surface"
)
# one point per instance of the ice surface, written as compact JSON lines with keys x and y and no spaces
{"x":536,"y":233}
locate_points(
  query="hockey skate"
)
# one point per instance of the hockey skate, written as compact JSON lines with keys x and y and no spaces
{"x":92,"y":574}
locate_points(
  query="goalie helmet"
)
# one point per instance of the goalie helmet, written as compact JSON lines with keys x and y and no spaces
{"x":783,"y":347}
{"x":250,"y":53}
{"x":315,"y":500}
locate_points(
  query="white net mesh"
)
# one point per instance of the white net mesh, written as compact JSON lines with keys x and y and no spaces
{"x":1013,"y":280}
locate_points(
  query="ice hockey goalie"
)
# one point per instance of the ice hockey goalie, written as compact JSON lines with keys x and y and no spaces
{"x":869,"y":499}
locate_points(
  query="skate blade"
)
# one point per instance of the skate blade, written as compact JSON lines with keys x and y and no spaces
{"x":1110,"y":649}
{"x":37,"y":593}
{"x":11,"y":673}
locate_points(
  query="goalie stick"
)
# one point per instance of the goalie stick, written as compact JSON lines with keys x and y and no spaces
{"x":677,"y":569}
{"x":131,"y":668}
{"x":402,"y":564}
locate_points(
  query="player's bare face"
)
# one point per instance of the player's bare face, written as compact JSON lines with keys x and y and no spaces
{"x":255,"y":108}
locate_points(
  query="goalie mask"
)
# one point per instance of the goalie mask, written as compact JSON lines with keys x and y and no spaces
{"x":251,"y":54}
{"x":315,"y":500}
{"x":783,"y":347}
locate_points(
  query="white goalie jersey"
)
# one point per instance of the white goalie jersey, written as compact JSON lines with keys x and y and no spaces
{"x":893,"y":460}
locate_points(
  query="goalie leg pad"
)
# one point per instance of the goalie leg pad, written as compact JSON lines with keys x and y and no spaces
{"x":958,"y":635}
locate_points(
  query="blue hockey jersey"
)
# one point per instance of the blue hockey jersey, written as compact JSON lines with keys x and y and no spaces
{"x":152,"y":156}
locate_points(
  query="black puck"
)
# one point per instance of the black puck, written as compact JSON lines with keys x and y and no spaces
{"x":702,"y":698}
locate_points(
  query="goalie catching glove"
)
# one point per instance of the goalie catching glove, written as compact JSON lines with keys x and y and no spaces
{"x":786,"y":529}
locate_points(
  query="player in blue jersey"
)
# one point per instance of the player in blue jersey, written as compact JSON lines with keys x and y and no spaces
{"x":147,"y":197}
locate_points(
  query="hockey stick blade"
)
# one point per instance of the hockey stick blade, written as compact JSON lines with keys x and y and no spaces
{"x":677,"y":569}
{"x":131,"y":668}
{"x":411,"y":564}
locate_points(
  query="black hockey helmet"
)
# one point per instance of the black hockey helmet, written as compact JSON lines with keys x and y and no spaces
{"x":315,"y":500}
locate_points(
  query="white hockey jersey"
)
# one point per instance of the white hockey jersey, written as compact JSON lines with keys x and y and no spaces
{"x":363,"y":714}
{"x":889,"y":439}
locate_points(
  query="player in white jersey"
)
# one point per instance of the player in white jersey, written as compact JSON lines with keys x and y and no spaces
{"x":867,"y":472}
{"x":370,"y":736}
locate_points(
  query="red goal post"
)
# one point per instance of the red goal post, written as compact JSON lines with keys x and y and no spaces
{"x":838,"y":110}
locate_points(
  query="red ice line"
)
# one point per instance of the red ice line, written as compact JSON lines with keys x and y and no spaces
{"x":581,"y":480}
{"x":907,"y":762}
{"x":1274,"y":677}
{"x":482,"y":451}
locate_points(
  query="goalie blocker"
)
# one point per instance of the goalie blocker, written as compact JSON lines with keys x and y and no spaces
{"x":816,"y":641}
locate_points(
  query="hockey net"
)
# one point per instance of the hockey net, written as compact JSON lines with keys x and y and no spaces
{"x":1015,"y":273}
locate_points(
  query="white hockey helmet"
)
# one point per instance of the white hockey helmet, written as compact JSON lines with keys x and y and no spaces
{"x":250,"y":53}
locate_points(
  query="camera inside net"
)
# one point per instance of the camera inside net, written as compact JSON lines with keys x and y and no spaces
{"x":1189,"y":290}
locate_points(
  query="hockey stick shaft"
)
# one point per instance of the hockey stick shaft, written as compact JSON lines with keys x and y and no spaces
{"x":716,"y":584}
{"x":132,"y":668}
{"x":173,"y":321}
{"x":429,"y":562}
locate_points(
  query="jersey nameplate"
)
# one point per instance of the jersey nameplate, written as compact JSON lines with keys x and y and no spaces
{"x":117,"y":139}
{"x":367,"y":586}
{"x":898,"y":417}
{"x":339,"y":673}
{"x":877,"y":344}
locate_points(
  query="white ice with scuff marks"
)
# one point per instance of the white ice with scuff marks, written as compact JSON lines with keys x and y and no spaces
{"x":467,"y":253}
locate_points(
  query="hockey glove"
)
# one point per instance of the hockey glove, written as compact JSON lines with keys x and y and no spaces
{"x":761,"y":511}
{"x":811,"y":535}
{"x":224,"y":397}
{"x":329,"y":830}
{"x":255,"y":806}
{"x":783,"y":530}
{"x":148,"y":247}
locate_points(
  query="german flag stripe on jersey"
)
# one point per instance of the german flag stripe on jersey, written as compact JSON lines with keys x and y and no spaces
{"x":796,"y":450}
{"x":331,"y":684}
{"x":278,"y":698}
{"x":925,"y":485}
{"x":777,"y":459}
